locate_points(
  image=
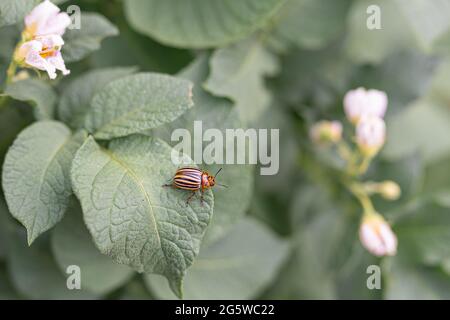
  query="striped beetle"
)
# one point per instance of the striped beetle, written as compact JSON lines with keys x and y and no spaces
{"x":193,"y":179}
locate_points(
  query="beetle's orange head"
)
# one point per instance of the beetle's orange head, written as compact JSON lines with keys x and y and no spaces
{"x":211,"y":181}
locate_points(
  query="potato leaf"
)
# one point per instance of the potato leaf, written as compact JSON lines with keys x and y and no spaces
{"x":130,"y":215}
{"x":136,"y":103}
{"x":36,"y":177}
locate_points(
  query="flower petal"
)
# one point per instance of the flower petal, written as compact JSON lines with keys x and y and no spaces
{"x":35,"y":60}
{"x":389,"y":239}
{"x":27,"y":47}
{"x":56,"y":24}
{"x":51,"y":41}
{"x":40,"y":14}
{"x":58,"y":62}
{"x":371,"y":240}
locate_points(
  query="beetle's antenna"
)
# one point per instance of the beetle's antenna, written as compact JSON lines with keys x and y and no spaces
{"x":222,"y":185}
{"x":217,"y":172}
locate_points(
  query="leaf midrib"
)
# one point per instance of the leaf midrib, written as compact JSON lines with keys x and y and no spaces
{"x":135,"y":177}
{"x":41,"y":180}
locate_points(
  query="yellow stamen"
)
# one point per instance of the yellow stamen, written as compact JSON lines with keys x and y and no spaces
{"x":47,"y":52}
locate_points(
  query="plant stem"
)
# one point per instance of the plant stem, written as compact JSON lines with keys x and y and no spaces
{"x":358,"y":191}
{"x":364,"y":165}
{"x":11,"y":72}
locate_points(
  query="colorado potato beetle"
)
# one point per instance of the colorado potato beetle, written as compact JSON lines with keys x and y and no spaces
{"x":193,"y":179}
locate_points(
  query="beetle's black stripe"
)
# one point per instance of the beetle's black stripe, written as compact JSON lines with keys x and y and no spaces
{"x":187,"y":182}
{"x":193,"y":174}
{"x":193,"y":178}
{"x":188,"y":171}
{"x":186,"y":185}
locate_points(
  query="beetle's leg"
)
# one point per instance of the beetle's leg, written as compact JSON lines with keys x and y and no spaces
{"x":201,"y":197}
{"x":190,"y":197}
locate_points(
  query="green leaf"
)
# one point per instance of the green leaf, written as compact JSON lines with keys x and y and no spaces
{"x":310,"y":24}
{"x":7,"y":291}
{"x":352,"y":277}
{"x":13,"y":11}
{"x":143,"y":51}
{"x":429,"y":19}
{"x":81,"y":42}
{"x":41,"y":96}
{"x":437,"y":181}
{"x":230,"y":203}
{"x":135,"y":290}
{"x":35,"y":275}
{"x":423,"y":233}
{"x":76,"y":97}
{"x":238,"y":266}
{"x":136,"y":103}
{"x":309,"y":202}
{"x":407,"y":172}
{"x":72,"y":245}
{"x":9,"y":36}
{"x":397,"y":76}
{"x":442,"y":44}
{"x":36,"y":177}
{"x":372,"y":46}
{"x":12,"y":120}
{"x":6,"y":227}
{"x":407,"y":281}
{"x":422,"y":127}
{"x":199,"y":24}
{"x":316,"y":75}
{"x":274,"y":194}
{"x":130,"y":216}
{"x":312,"y":268}
{"x":438,"y":91}
{"x":237,"y":72}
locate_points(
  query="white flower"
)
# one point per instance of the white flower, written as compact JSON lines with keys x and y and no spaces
{"x":326,"y":131}
{"x":46,"y":19}
{"x":370,"y":135}
{"x":377,"y":236}
{"x":43,"y":53}
{"x":362,"y":102}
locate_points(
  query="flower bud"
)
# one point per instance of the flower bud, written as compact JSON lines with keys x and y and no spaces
{"x":377,"y":236}
{"x":362,"y":102}
{"x":389,"y":190}
{"x":326,"y":132}
{"x":370,"y":135}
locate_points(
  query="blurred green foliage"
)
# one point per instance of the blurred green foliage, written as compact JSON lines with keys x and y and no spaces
{"x":265,"y":64}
